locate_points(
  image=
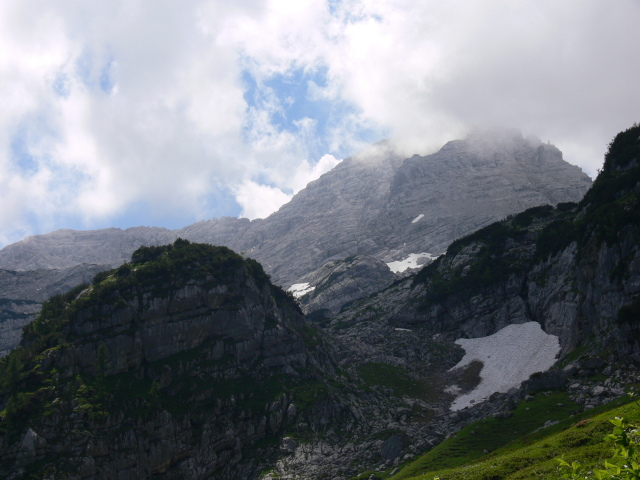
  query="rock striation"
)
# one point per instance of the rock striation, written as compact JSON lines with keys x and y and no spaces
{"x":341,"y":282}
{"x":376,"y":203}
{"x":167,"y":367}
{"x":366,"y":205}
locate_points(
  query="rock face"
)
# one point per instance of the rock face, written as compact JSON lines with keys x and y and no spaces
{"x":375,"y":203}
{"x":587,"y":289}
{"x":340,"y":282}
{"x":165,"y":412}
{"x":575,"y":269}
{"x":22,"y":292}
{"x":469,"y":184}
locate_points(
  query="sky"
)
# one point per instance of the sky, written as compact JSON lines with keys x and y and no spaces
{"x":156,"y":112}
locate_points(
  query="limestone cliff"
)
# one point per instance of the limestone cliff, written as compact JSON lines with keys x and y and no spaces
{"x":575,"y":269}
{"x":376,"y":203}
{"x":341,"y":282}
{"x":175,"y":364}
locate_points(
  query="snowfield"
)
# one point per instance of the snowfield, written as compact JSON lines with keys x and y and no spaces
{"x":300,"y":289}
{"x":509,"y":356}
{"x":412,"y":261}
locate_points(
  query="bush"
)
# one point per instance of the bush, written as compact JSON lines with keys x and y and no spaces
{"x":525,"y":218}
{"x":625,"y":462}
{"x":555,"y":237}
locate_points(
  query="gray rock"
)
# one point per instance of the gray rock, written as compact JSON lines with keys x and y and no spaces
{"x":392,"y":447}
{"x":341,"y":282}
{"x":21,"y":294}
{"x":549,"y":380}
{"x":288,"y":445}
{"x":592,"y":363}
{"x":368,"y":205}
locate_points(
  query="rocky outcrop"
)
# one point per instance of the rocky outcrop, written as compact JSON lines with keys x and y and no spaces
{"x":375,"y":203}
{"x":165,"y":367}
{"x":341,"y":282}
{"x":469,"y":184}
{"x":575,"y":269}
{"x":576,"y":293}
{"x":187,"y":363}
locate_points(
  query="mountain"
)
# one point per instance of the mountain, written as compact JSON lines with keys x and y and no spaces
{"x":376,"y":205}
{"x":188,"y":363}
{"x":167,"y":364}
{"x":573,"y":268}
{"x":571,"y":273}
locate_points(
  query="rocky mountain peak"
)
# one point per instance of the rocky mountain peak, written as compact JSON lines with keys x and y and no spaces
{"x":188,"y":363}
{"x":376,"y":203}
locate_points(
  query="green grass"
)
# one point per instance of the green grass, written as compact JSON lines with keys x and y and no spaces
{"x":385,"y":375}
{"x":576,"y":353}
{"x":516,"y":450}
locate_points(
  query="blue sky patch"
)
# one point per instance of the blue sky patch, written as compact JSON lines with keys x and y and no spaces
{"x":94,"y":77}
{"x":334,"y":5}
{"x":106,"y":81}
{"x":61,"y":85}
{"x":295,"y":101}
{"x":84,"y":68}
{"x":21,"y":154}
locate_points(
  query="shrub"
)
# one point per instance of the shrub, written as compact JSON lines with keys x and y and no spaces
{"x":555,"y":237}
{"x":625,"y":462}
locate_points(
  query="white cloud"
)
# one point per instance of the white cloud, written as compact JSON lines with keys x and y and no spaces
{"x":126,"y":104}
{"x":259,"y":201}
{"x":307,"y":173}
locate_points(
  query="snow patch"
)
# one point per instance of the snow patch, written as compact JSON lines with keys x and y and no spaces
{"x":453,"y":389}
{"x":412,"y":261}
{"x":509,"y":356}
{"x":300,"y":289}
{"x":418,"y":218}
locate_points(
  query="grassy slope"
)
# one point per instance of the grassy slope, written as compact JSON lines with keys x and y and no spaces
{"x":517,"y":456}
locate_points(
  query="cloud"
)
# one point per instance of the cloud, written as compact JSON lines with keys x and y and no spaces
{"x":307,"y":173}
{"x":209,"y":108}
{"x":259,"y":201}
